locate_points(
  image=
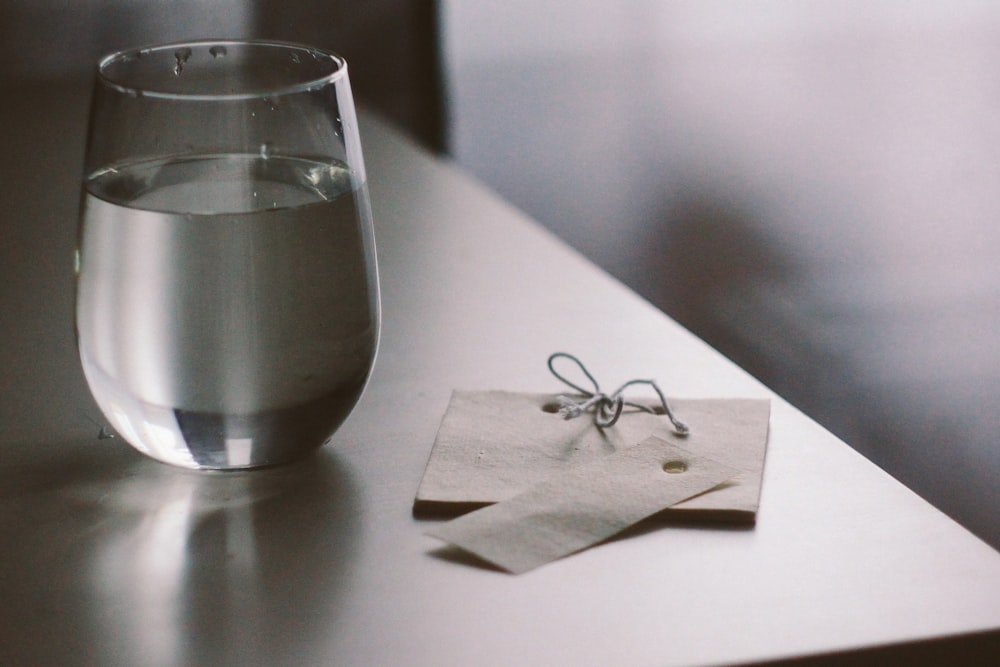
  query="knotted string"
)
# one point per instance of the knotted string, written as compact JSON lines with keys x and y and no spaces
{"x":607,"y":408}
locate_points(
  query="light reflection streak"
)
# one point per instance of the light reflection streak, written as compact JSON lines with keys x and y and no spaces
{"x":143,"y":570}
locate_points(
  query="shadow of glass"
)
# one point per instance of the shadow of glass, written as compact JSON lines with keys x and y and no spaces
{"x":124,"y":560}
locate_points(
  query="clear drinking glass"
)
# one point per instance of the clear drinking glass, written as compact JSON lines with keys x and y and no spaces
{"x":227,"y":306}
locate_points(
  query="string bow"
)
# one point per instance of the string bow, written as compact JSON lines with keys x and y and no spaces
{"x":607,"y":408}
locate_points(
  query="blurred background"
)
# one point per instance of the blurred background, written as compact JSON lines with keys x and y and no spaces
{"x":814,"y":188}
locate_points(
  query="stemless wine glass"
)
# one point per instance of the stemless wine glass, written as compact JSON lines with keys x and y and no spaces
{"x":227,"y":295}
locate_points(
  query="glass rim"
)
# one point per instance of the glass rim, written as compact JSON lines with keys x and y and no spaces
{"x":338,"y":72}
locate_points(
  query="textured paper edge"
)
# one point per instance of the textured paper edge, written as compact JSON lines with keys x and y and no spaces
{"x":544,"y":523}
{"x":694,"y":510}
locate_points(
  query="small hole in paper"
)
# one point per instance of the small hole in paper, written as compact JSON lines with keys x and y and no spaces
{"x":674,"y":467}
{"x":551,"y":407}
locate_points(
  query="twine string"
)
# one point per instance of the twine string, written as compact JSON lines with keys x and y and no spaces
{"x":606,"y":408}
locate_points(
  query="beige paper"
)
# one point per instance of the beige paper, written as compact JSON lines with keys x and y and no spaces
{"x":584,"y":505}
{"x":493,"y":445}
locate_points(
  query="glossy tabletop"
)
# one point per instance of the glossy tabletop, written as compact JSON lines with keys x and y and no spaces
{"x":109,"y":558}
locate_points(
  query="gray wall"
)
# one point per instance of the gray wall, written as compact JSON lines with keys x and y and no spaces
{"x":61,"y":38}
{"x":391,"y":45}
{"x":812,"y":187}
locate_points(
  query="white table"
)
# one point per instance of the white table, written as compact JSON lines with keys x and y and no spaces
{"x":109,"y":558}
